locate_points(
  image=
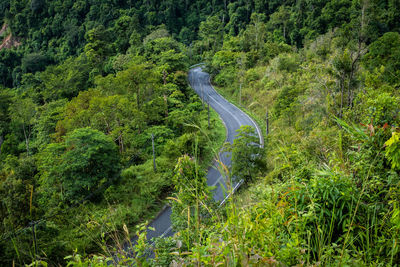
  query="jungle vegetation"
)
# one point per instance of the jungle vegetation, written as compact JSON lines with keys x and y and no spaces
{"x":90,"y":81}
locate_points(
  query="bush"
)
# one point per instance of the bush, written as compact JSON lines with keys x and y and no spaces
{"x":288,"y":62}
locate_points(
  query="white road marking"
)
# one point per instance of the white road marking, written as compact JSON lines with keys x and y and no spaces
{"x":166,"y":231}
{"x":234,"y":117}
{"x":216,"y":182}
{"x":255,"y":124}
{"x":240,"y":111}
{"x":233,"y":191}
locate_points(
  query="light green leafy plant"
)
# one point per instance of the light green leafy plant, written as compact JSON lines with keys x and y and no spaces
{"x":393,"y":150}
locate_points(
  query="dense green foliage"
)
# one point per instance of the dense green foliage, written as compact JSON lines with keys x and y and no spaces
{"x":81,"y":164}
{"x":330,"y":193}
{"x":246,"y":154}
{"x":89,"y":85}
{"x":92,"y":81}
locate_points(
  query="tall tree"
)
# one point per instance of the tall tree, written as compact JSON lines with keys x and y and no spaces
{"x":211,"y":33}
{"x":23,"y":112}
{"x":78,"y":167}
{"x":247,"y":154}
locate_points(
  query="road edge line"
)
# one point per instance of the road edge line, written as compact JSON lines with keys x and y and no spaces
{"x":261,"y":137}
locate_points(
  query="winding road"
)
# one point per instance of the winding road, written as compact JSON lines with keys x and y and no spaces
{"x":233,"y":119}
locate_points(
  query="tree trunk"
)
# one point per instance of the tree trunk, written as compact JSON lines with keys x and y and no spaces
{"x":284,"y":31}
{"x":208,"y":112}
{"x":1,"y":142}
{"x":341,"y":96}
{"x":165,"y":96}
{"x":164,"y":77}
{"x":121,"y":143}
{"x":166,"y":105}
{"x":120,"y":138}
{"x":154,"y":153}
{"x":137,"y":97}
{"x":27,"y":136}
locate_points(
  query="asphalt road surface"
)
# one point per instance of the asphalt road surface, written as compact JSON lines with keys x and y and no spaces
{"x":233,"y":119}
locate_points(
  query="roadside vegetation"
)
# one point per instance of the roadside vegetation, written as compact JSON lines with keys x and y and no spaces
{"x":330,"y":192}
{"x":77,"y":115}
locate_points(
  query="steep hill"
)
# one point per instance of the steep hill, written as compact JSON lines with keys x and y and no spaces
{"x":93,"y":83}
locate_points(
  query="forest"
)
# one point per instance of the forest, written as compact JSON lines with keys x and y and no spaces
{"x":86,"y":85}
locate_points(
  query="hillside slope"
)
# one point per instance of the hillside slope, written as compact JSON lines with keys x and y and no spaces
{"x":93,"y":81}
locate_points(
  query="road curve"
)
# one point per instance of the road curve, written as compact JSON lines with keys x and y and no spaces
{"x":233,"y":119}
